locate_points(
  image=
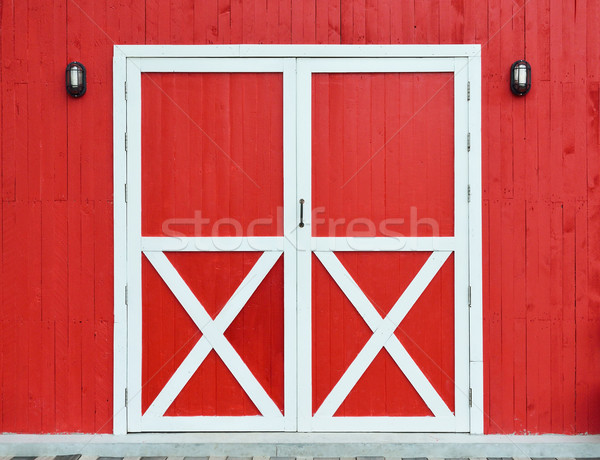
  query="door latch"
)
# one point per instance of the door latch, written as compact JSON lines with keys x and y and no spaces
{"x":301,"y":224}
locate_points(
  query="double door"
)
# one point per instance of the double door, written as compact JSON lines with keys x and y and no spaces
{"x":297,"y":244}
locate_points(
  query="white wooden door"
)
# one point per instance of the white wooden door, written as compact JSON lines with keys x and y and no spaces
{"x":433,"y":93}
{"x":329,"y":241}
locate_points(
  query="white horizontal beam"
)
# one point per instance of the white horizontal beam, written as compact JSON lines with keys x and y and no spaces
{"x":229,"y":423}
{"x":199,"y":64}
{"x":444,"y":243}
{"x":401,"y":424}
{"x":392,"y":64}
{"x":297,"y":50}
{"x":212,"y":243}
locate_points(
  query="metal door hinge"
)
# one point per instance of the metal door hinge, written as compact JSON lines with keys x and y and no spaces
{"x":126,"y":397}
{"x":125,"y":84}
{"x":126,"y":295}
{"x":468,"y":193}
{"x":126,"y":141}
{"x":469,"y":296}
{"x":468,"y":91}
{"x":468,"y":142}
{"x":125,"y":193}
{"x":470,"y":397}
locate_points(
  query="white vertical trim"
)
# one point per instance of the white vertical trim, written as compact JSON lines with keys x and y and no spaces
{"x":304,"y":282}
{"x":134,"y":254}
{"x":120,"y":243}
{"x":289,"y":245}
{"x":461,"y":254}
{"x":475,"y":245}
{"x":477,"y":397}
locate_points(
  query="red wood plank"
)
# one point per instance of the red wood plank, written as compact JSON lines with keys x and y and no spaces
{"x":9,"y":140}
{"x":103,"y":373}
{"x":357,"y":203}
{"x":507,"y":376}
{"x":35,"y":384}
{"x":61,"y":337}
{"x":73,"y":389}
{"x":103,"y":264}
{"x":427,"y":22}
{"x":242,"y":189}
{"x":14,"y":384}
{"x":54,"y":254}
{"x":359,"y":20}
{"x":47,"y":375}
{"x":88,"y":377}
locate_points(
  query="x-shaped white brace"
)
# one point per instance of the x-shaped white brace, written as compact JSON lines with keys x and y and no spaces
{"x":383,"y":334}
{"x":213,"y":334}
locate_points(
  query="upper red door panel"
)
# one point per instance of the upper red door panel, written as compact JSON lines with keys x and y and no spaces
{"x":383,"y":154}
{"x":212,"y":154}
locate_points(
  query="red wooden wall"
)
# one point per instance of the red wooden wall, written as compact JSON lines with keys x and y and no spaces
{"x":541,"y":179}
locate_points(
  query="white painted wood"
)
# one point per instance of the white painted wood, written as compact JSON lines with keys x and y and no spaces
{"x":364,"y":64}
{"x":213,"y":243}
{"x":213,"y":330}
{"x":477,"y":395}
{"x":120,"y":244}
{"x":304,"y":274}
{"x":396,"y":350}
{"x":211,"y":65}
{"x":289,"y":245}
{"x":461,"y":253}
{"x":134,"y":255}
{"x":475,"y":242}
{"x":212,"y":424}
{"x":400,"y":424}
{"x":444,"y":243}
{"x":292,"y":51}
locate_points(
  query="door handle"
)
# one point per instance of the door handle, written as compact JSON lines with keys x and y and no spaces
{"x":301,"y":224}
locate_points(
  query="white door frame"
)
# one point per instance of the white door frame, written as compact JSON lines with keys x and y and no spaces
{"x":128,"y":63}
{"x":441,"y":248}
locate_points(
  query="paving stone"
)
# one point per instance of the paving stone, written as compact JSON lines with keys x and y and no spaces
{"x":23,"y":458}
{"x":68,"y":457}
{"x":195,"y":458}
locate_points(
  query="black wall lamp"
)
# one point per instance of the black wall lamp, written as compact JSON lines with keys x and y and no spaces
{"x":520,"y":77}
{"x":75,"y":79}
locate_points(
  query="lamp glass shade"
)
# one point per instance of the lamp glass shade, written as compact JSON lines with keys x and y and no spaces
{"x":520,"y":75}
{"x":75,"y":79}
